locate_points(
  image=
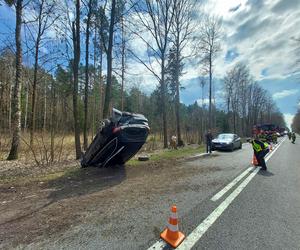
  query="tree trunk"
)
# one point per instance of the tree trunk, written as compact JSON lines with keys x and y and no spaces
{"x":52,"y":122}
{"x":32,"y":115}
{"x":45,"y":108}
{"x":86,"y":87}
{"x":36,"y":64}
{"x":123,"y":65}
{"x":76,"y":43}
{"x":26,"y":107}
{"x":234,"y":122}
{"x":210,"y":90}
{"x":16,"y":109}
{"x":10,"y":108}
{"x":203,"y":123}
{"x":94,"y":85}
{"x":177,"y":98}
{"x":109,"y":61}
{"x":163,"y":98}
{"x":101,"y":87}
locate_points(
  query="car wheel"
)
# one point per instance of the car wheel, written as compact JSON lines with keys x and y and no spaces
{"x":231,"y":148}
{"x":240,"y":146}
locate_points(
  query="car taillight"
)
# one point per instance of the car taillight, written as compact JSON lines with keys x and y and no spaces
{"x":115,"y":130}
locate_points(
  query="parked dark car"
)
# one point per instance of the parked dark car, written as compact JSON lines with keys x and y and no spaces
{"x":226,"y":142}
{"x":118,"y":139}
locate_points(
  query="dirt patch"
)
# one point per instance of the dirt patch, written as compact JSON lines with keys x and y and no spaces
{"x":12,"y":170}
{"x":36,"y":210}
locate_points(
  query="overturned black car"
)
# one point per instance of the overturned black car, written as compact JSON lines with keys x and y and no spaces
{"x":118,"y":139}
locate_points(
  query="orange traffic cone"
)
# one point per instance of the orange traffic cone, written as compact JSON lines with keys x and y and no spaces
{"x":171,"y":234}
{"x":254,"y":161}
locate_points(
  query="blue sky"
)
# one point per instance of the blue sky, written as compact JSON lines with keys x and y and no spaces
{"x":260,"y":33}
{"x":257,"y":32}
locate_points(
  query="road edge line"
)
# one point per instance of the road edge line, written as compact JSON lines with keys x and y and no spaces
{"x":219,"y":195}
{"x":230,"y":185}
{"x":199,"y":231}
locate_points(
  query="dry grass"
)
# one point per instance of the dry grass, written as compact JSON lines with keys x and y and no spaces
{"x":167,"y":154}
{"x":63,"y":147}
{"x":35,"y":162}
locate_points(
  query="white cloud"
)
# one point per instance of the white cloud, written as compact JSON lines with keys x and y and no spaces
{"x":258,"y":34}
{"x":285,"y":93}
{"x":261,"y":35}
{"x":204,"y":102}
{"x":225,"y":8}
{"x":288,"y":119}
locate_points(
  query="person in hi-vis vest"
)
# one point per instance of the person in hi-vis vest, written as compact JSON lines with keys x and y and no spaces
{"x":260,"y":150}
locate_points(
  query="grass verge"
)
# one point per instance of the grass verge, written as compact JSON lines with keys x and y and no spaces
{"x":76,"y":172}
{"x":169,"y":154}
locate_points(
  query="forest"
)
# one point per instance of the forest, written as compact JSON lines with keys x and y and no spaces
{"x":66,"y":64}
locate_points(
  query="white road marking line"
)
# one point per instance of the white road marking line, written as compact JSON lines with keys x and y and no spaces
{"x":160,"y":244}
{"x":274,"y":150}
{"x":218,"y":195}
{"x":197,"y":233}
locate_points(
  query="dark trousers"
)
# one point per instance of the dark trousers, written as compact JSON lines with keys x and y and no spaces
{"x":208,"y":147}
{"x":260,"y":156}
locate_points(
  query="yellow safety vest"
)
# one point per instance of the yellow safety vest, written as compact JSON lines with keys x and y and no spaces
{"x":257,"y":147}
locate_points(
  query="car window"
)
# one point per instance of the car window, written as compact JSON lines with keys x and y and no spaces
{"x":225,"y":136}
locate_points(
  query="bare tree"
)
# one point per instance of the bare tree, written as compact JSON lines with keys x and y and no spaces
{"x":44,"y":18}
{"x":123,"y":47}
{"x":101,"y":28}
{"x":209,"y":45}
{"x":295,"y":126}
{"x":86,"y":86}
{"x":203,"y":120}
{"x":156,"y":17}
{"x":236,"y":84}
{"x":181,"y":31}
{"x":52,"y":119}
{"x":76,"y":51}
{"x":109,"y":50}
{"x":16,"y":110}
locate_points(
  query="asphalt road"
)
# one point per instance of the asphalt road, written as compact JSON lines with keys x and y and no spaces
{"x":263,"y":215}
{"x":266,"y":214}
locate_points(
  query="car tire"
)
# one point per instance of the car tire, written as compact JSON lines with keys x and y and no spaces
{"x":240,"y":146}
{"x":231,"y":147}
{"x":143,"y":158}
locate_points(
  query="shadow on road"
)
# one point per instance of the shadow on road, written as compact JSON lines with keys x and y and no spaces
{"x":46,"y":215}
{"x":85,"y":181}
{"x":265,"y":173}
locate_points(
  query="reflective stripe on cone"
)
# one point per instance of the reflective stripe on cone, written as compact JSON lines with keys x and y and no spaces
{"x":171,"y":234}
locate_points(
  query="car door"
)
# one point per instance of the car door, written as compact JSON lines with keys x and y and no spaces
{"x":237,"y":141}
